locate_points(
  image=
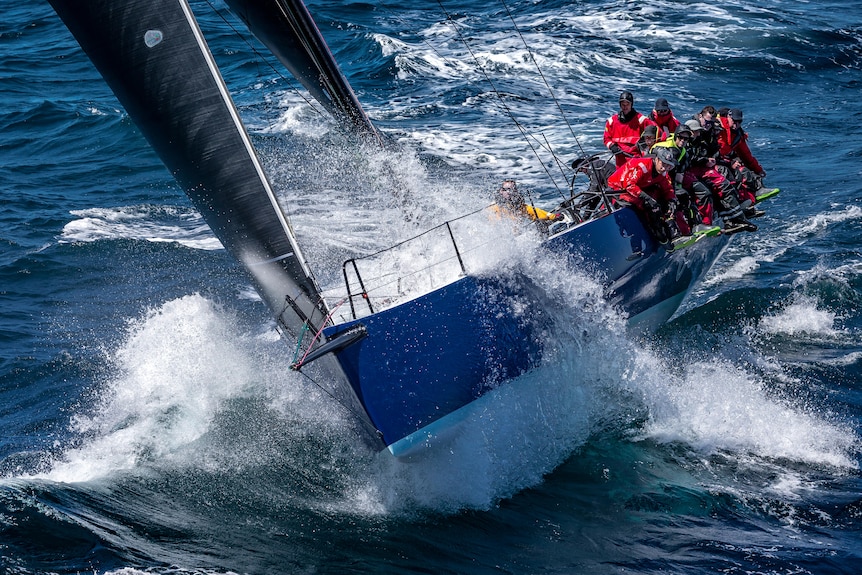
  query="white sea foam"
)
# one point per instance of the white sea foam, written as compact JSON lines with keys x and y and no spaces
{"x":848,"y":359}
{"x":801,"y":315}
{"x":719,"y":407}
{"x":819,"y":222}
{"x":842,"y":275}
{"x":170,"y":378}
{"x":301,"y":115}
{"x":150,"y":223}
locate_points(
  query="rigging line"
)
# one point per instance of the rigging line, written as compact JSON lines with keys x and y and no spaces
{"x":538,"y":68}
{"x":332,"y":396}
{"x":449,"y":61}
{"x":263,"y":59}
{"x":274,"y":199}
{"x":454,"y":65}
{"x":497,"y":93}
{"x":417,"y":236}
{"x":320,"y":331}
{"x":546,"y":145}
{"x":550,"y":90}
{"x":299,"y":341}
{"x":559,"y":164}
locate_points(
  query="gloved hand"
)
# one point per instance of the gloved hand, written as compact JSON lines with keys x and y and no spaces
{"x":761,"y":174}
{"x":649,"y":201}
{"x":615,"y":149}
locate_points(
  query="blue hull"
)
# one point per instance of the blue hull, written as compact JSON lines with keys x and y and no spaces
{"x":642,"y":278}
{"x":428,"y":358}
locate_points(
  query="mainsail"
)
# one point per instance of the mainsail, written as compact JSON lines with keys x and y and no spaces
{"x":154,"y":57}
{"x":287,"y":29}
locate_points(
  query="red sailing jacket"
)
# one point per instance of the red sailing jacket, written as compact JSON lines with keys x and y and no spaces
{"x":667,"y":125}
{"x":636,"y":176}
{"x":736,"y":142}
{"x":626,"y":134}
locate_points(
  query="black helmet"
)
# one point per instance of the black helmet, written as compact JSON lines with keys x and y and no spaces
{"x":627,"y":96}
{"x":667,"y":156}
{"x":683,"y":130}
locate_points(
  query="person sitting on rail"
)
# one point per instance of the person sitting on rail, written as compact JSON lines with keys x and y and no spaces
{"x":737,"y":163}
{"x":647,"y":140}
{"x":644,"y":184}
{"x":708,"y":120}
{"x":687,"y":215}
{"x":510,"y":200}
{"x":712,"y":191}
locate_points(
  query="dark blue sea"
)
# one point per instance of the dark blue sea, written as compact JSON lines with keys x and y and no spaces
{"x":148,"y":419}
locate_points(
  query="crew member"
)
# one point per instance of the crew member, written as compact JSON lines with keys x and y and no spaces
{"x":624,"y":129}
{"x":510,"y":199}
{"x":645,"y":185}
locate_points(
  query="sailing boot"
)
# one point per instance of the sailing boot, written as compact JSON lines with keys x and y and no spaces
{"x":753,"y":212}
{"x":672,"y":229}
{"x":739,"y":224}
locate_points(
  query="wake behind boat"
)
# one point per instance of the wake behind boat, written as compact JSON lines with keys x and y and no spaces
{"x":422,"y":339}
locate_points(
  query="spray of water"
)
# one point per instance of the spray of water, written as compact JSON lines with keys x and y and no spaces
{"x":191,"y":389}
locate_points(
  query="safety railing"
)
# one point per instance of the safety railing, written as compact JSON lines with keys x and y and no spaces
{"x":445,"y":253}
{"x":411,"y":267}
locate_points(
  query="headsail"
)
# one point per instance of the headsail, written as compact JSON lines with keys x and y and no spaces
{"x":288,"y":31}
{"x":154,"y":58}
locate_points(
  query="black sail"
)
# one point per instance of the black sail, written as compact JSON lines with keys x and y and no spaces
{"x":154,"y":58}
{"x":287,"y":29}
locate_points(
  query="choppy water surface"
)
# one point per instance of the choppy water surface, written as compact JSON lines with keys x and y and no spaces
{"x":149,"y":422}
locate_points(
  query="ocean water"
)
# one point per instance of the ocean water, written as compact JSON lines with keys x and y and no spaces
{"x":149,"y":423}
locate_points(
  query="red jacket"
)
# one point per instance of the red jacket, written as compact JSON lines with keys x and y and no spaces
{"x":638,"y":175}
{"x":625,"y":133}
{"x":735,"y":142}
{"x":667,"y":125}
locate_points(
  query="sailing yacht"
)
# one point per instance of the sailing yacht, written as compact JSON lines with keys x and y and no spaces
{"x":409,"y":366}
